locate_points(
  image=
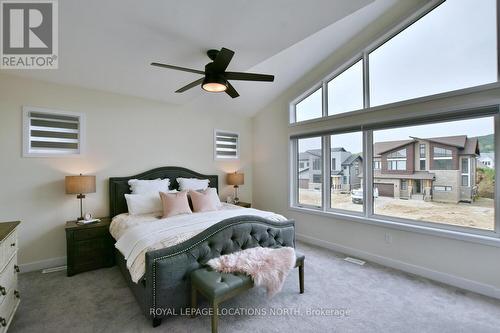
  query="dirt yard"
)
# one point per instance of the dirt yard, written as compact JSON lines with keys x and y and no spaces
{"x":479,"y":214}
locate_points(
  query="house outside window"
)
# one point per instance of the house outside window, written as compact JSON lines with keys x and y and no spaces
{"x":443,"y":158}
{"x":465,"y":171}
{"x":316,"y":164}
{"x":422,"y":156}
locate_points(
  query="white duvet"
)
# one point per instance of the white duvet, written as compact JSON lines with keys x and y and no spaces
{"x":136,"y":235}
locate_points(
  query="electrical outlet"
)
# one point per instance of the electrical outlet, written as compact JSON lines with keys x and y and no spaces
{"x":388,"y":238}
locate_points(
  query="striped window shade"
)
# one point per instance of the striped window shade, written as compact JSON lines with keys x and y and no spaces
{"x":49,"y":132}
{"x":226,"y":145}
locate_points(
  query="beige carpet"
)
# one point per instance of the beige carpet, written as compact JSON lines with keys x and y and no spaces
{"x":340,"y":297}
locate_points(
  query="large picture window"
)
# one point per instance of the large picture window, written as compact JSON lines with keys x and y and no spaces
{"x":449,"y":47}
{"x":438,"y":195}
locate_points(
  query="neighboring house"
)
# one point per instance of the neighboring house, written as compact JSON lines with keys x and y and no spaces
{"x":487,"y":160}
{"x":439,"y":169}
{"x":345,"y":169}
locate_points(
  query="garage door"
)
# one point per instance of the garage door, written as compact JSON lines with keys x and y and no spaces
{"x":385,"y":190}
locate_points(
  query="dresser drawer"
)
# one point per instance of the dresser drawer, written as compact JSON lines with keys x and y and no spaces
{"x":8,"y":278}
{"x":7,"y":308}
{"x":10,"y":245}
{"x":89,"y":233}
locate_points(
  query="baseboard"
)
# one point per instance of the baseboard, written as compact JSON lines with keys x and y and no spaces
{"x":42,"y":264}
{"x":456,"y":281}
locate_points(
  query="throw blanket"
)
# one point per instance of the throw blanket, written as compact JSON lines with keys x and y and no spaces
{"x":267,"y":267}
{"x":152,"y":233}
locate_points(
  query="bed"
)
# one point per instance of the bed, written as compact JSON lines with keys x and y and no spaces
{"x":163,"y":289}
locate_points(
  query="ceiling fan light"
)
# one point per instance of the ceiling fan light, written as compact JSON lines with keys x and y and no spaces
{"x":214,"y":84}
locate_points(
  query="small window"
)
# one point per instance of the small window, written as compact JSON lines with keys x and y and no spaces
{"x":465,"y":165}
{"x":422,"y":164}
{"x":316,"y":179}
{"x":397,"y":154}
{"x":316,"y":164}
{"x":442,"y":153}
{"x":51,"y":133}
{"x":422,"y":150}
{"x":226,"y":145}
{"x":334,"y":164}
{"x":310,"y":107}
{"x":376,"y":165}
{"x":443,"y":188}
{"x":465,"y":180}
{"x":404,"y":185}
{"x":345,"y":91}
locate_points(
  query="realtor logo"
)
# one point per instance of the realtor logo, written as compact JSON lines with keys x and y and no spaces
{"x":29,"y":34}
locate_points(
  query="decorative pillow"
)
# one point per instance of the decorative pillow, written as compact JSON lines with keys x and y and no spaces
{"x":143,"y":203}
{"x":192,"y":184}
{"x":205,"y":201}
{"x":140,"y":186}
{"x":175,"y":203}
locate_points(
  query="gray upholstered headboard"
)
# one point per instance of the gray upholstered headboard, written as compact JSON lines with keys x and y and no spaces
{"x":118,"y":186}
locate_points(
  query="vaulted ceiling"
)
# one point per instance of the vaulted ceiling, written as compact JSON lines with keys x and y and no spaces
{"x":108,"y":45}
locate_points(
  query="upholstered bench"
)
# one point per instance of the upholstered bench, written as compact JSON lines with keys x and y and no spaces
{"x":218,"y":287}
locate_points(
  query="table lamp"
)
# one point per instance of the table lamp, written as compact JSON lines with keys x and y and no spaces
{"x":80,"y":185}
{"x":236,"y":179}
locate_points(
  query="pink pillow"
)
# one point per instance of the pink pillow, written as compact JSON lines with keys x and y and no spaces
{"x":175,"y":203}
{"x":205,"y":201}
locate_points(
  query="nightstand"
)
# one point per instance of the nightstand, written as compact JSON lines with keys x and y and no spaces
{"x":89,"y":246}
{"x":244,"y":204}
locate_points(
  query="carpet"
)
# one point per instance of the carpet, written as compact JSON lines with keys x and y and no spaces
{"x":339,"y":297}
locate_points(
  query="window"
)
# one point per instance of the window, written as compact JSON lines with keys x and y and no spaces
{"x":443,"y":188}
{"x":316,"y":163}
{"x":301,"y":165}
{"x":334,"y":164}
{"x":397,"y":154}
{"x":310,"y":107}
{"x":376,"y":165}
{"x":450,"y":186}
{"x":346,"y":149}
{"x":345,"y":91}
{"x":420,"y":62}
{"x":465,"y":171}
{"x":309,"y":182}
{"x":396,"y":165}
{"x":422,"y":151}
{"x":226,"y":145}
{"x":442,"y":153}
{"x":416,"y":61}
{"x":52,"y":133}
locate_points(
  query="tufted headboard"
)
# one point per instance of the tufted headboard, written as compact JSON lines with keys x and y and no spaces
{"x":118,"y":186}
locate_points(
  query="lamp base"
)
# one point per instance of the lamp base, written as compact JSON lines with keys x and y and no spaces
{"x":236,"y":200}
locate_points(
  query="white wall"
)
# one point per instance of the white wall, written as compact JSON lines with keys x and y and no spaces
{"x":465,"y":264}
{"x":124,"y":136}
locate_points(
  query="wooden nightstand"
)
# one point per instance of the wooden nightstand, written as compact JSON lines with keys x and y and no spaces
{"x":244,"y":204}
{"x":89,"y":246}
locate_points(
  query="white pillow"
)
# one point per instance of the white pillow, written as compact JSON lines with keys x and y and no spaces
{"x":214,"y":197}
{"x":146,"y":203}
{"x":192,"y":184}
{"x":143,"y":203}
{"x":139,"y":186}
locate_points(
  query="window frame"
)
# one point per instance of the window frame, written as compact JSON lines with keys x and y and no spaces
{"x":26,"y":132}
{"x":431,"y":109}
{"x":363,"y":55}
{"x":238,"y":138}
{"x":491,"y":237}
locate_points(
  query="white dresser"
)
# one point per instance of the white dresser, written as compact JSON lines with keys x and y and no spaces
{"x":9,"y":294}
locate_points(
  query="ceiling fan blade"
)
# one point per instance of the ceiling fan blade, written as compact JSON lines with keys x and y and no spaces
{"x":189,"y":86}
{"x":222,"y":60}
{"x":231,"y":91}
{"x":248,"y":76}
{"x":177,"y":68}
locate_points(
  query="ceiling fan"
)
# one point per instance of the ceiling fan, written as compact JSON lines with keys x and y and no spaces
{"x":215,"y":76}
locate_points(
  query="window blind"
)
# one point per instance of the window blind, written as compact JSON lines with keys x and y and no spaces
{"x":51,"y":133}
{"x":226,"y":145}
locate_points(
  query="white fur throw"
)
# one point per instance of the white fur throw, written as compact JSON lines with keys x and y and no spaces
{"x":267,"y":267}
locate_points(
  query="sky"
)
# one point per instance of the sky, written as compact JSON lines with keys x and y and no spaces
{"x":452,"y":47}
